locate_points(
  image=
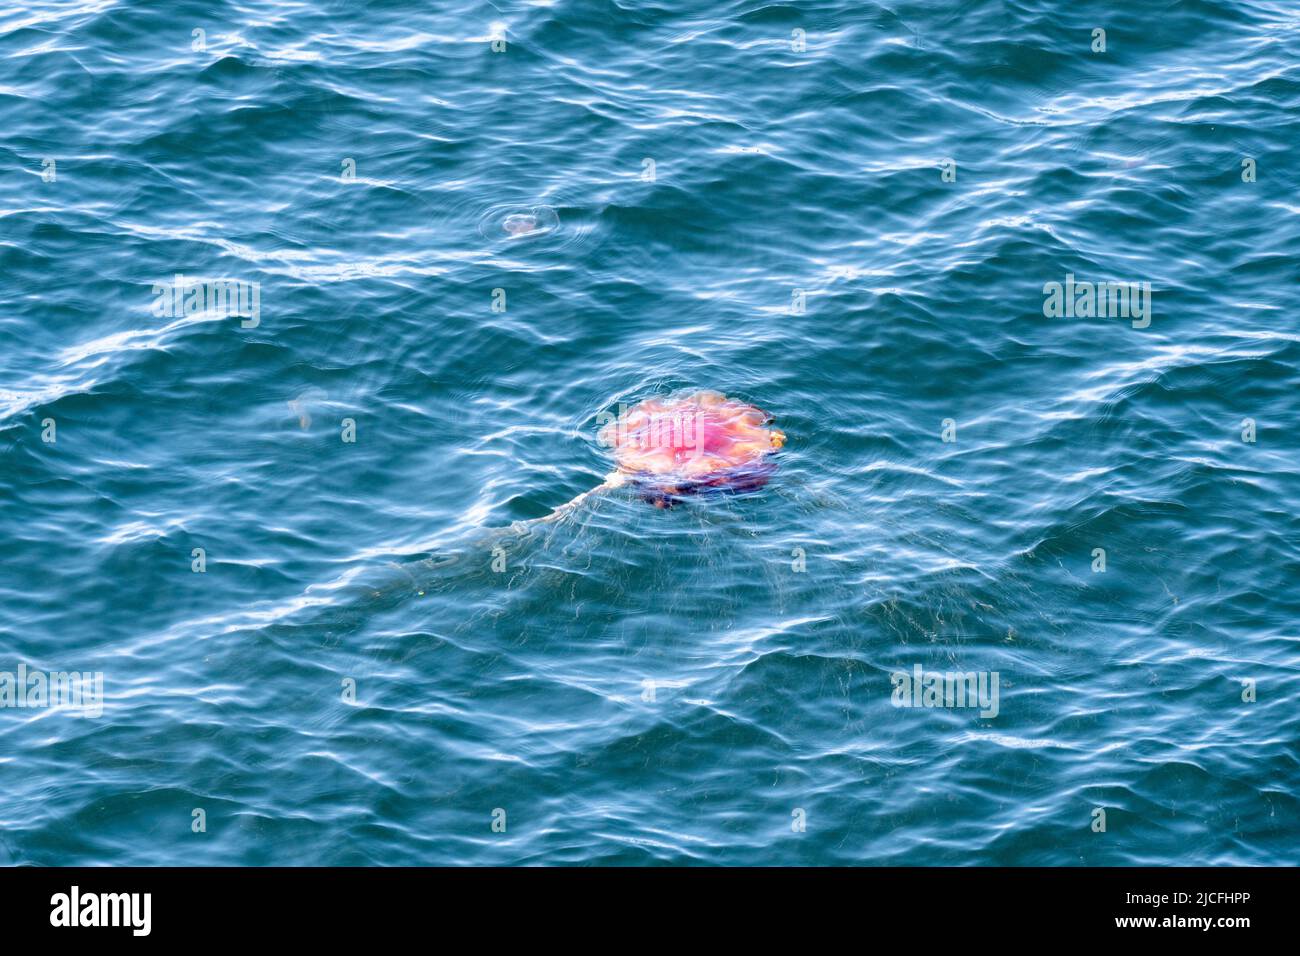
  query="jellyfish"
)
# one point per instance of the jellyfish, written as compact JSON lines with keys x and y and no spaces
{"x":519,"y":224}
{"x":668,"y":448}
{"x":665,"y":449}
{"x":302,"y":404}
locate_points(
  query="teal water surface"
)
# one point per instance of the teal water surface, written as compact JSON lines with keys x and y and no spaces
{"x":295,"y":535}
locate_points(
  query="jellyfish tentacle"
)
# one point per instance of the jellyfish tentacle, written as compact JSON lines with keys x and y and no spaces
{"x":615,"y":479}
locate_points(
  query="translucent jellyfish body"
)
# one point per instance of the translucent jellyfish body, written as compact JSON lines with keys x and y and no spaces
{"x":518,"y":222}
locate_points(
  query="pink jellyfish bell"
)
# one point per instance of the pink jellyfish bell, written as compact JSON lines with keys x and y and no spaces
{"x":704,"y":441}
{"x":671,"y":447}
